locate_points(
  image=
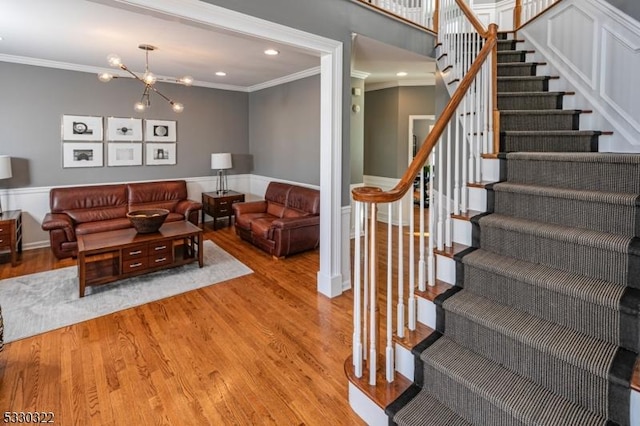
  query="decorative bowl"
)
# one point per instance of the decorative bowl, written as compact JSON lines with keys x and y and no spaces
{"x":147,"y":221}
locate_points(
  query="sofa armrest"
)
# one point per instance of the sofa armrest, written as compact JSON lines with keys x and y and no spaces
{"x":56,"y":221}
{"x":185,"y":207}
{"x":60,"y":222}
{"x":296,"y":222}
{"x":250,"y":207}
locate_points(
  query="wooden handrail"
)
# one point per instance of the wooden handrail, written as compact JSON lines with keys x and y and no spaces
{"x":368,"y":3}
{"x":369,"y":194}
{"x":477,"y":25}
{"x":517,"y":15}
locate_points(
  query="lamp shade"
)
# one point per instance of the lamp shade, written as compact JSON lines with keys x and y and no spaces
{"x":5,"y":167}
{"x":221,"y":161}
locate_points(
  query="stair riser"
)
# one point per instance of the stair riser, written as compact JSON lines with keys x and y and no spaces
{"x":541,"y":122}
{"x":592,"y":262}
{"x":526,"y":102}
{"x":524,"y":70}
{"x":505,"y":57}
{"x":504,"y":45}
{"x":522,"y":85}
{"x":576,"y":175}
{"x":604,"y":217}
{"x":542,"y":302}
{"x":530,"y":362}
{"x":534,"y":143}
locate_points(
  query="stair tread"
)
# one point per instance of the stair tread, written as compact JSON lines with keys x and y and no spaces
{"x":524,"y":77}
{"x":528,"y":94}
{"x":538,"y":334}
{"x":584,"y":157}
{"x":585,"y":237}
{"x":518,"y":396}
{"x":551,"y":132}
{"x":425,"y":409}
{"x":619,"y":198}
{"x":541,"y":111}
{"x":593,"y":290}
{"x":520,"y":64}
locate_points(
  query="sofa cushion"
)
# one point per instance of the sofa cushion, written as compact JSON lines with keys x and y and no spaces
{"x":275,"y":209}
{"x":85,"y":204}
{"x":244,"y":221}
{"x":262,"y":227}
{"x":277,"y":192}
{"x":103,"y":225}
{"x":154,"y":195}
{"x":305,"y":199}
{"x":289,"y":212}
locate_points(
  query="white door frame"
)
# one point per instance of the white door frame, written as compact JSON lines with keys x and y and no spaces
{"x":329,"y":277}
{"x":413,"y":118}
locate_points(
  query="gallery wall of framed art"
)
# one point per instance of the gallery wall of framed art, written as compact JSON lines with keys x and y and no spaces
{"x":129,"y":141}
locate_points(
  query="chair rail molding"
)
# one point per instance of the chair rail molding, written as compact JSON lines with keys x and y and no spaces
{"x":599,"y":54}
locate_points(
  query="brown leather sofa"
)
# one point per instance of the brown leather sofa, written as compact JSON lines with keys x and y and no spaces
{"x":89,"y":209}
{"x":287,"y":221}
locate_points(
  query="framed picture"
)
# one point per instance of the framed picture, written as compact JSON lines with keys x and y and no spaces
{"x":124,"y":129}
{"x":160,"y":130}
{"x":81,"y":128}
{"x":87,"y":154}
{"x":158,"y":154}
{"x":124,"y":154}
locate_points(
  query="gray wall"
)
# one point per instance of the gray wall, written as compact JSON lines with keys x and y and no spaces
{"x":630,"y":7}
{"x":34,"y":99}
{"x":284,"y":131}
{"x":337,"y":20}
{"x":357,"y":132}
{"x":386,"y":129}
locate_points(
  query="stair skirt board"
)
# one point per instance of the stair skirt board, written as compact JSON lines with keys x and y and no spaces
{"x":542,"y":325}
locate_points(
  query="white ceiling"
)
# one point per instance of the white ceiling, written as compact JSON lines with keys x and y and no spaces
{"x":79,"y":34}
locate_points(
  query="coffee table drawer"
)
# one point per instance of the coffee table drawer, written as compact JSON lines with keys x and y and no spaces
{"x":133,"y":265}
{"x":135,"y":252}
{"x":160,"y":248}
{"x":160,"y":259}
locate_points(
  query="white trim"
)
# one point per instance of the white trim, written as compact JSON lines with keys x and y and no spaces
{"x":365,"y":408}
{"x":346,"y":248}
{"x":286,"y":79}
{"x":403,"y":83}
{"x":331,"y":73}
{"x":24,"y":60}
{"x":412,"y":118}
{"x":359,"y":74}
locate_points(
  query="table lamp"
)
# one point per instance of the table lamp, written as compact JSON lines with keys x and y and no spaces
{"x":5,"y":171}
{"x":221,"y":162}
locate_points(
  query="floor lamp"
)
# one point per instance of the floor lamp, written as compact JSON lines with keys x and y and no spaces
{"x":221,"y":162}
{"x":5,"y":171}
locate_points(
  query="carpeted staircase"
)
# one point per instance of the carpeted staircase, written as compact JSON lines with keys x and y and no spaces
{"x":542,"y":326}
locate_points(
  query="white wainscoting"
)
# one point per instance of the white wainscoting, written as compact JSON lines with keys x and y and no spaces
{"x":595,"y":49}
{"x":500,"y":12}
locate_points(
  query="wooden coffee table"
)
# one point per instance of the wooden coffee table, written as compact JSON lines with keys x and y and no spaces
{"x":109,"y":256}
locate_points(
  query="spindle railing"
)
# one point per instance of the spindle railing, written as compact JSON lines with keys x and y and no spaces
{"x":449,"y":157}
{"x":527,"y":10}
{"x":420,"y":12}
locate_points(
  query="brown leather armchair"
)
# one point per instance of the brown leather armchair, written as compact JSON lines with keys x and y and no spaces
{"x":89,"y":209}
{"x":287,"y":221}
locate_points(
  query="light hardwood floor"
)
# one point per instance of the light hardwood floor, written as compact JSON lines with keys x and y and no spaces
{"x":265,"y":348}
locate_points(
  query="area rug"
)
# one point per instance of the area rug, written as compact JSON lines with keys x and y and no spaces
{"x":33,"y":304}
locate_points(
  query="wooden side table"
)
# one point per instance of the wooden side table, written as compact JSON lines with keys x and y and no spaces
{"x":11,"y":233}
{"x":219,"y":205}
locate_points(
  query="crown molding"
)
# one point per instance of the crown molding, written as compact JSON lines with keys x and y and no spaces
{"x":403,"y":83}
{"x":359,"y":74}
{"x":286,"y":79}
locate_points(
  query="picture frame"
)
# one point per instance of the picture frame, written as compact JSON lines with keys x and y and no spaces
{"x":160,"y":154}
{"x":124,"y":154}
{"x":82,"y":154}
{"x":160,"y":130}
{"x":124,"y":129}
{"x":81,"y":128}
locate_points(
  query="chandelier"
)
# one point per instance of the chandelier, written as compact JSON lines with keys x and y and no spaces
{"x":148,"y":79}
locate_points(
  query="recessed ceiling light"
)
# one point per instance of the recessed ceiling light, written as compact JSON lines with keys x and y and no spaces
{"x":1,"y":38}
{"x":401,"y":74}
{"x":221,"y":73}
{"x":271,"y":52}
